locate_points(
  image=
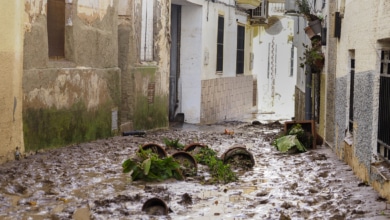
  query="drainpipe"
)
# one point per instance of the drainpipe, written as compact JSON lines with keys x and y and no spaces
{"x":308,"y":115}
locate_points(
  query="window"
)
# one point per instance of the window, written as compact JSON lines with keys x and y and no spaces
{"x":351,"y":89}
{"x":221,"y":22}
{"x":240,"y":49}
{"x":56,"y":28}
{"x":146,"y":53}
{"x":383,"y":148}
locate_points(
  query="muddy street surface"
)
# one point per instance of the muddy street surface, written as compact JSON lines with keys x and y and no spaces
{"x":85,"y":181}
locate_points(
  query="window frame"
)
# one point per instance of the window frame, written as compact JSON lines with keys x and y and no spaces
{"x":220,"y":43}
{"x":56,"y":29}
{"x":240,"y":50}
{"x":351,"y":89}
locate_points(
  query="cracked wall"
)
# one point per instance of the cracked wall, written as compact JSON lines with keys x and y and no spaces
{"x":71,"y":100}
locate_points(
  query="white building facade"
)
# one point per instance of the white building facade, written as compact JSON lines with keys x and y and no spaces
{"x":210,"y":78}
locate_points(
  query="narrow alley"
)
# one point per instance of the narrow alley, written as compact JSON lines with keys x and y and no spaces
{"x":85,"y":181}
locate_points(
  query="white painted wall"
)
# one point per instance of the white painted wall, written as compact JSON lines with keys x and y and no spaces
{"x":198,"y":51}
{"x":210,"y":24}
{"x":272,"y":65}
{"x":191,"y":62}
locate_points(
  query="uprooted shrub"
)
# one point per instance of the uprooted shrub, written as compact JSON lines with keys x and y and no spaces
{"x":149,"y":167}
{"x":220,"y":172}
{"x":296,"y":140}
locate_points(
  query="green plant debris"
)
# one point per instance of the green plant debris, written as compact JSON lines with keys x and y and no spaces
{"x":307,"y":9}
{"x":289,"y":142}
{"x":296,"y":140}
{"x":220,"y":172}
{"x":173,"y":143}
{"x":313,"y":55}
{"x":149,"y":167}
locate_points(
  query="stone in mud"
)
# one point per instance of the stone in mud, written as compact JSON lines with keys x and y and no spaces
{"x":284,"y":216}
{"x":81,"y":213}
{"x":186,"y":199}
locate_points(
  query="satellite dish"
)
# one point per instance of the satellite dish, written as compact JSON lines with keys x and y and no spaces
{"x":274,"y":26}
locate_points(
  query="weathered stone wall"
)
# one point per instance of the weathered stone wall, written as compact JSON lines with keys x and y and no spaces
{"x":145,"y":84}
{"x":11,"y":71}
{"x":226,"y":98}
{"x":73,"y":99}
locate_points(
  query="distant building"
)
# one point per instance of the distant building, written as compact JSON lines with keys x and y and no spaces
{"x":210,"y":77}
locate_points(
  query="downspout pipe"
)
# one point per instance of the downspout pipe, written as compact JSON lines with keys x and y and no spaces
{"x":308,"y":100}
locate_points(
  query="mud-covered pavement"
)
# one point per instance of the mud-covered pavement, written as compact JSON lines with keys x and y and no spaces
{"x":85,"y":181}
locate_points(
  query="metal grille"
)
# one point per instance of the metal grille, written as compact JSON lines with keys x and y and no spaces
{"x":352,"y":84}
{"x":240,"y":49}
{"x":56,"y":28}
{"x":254,"y":100}
{"x":384,"y":107}
{"x":221,"y":22}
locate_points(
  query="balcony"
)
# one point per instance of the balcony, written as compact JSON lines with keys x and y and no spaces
{"x":248,"y":4}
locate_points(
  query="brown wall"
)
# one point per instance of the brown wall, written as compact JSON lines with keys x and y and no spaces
{"x":11,"y":70}
{"x":71,"y":99}
{"x":144,"y":83}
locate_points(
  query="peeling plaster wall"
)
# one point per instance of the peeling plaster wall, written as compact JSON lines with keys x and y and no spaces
{"x":145,"y":84}
{"x":89,"y":11}
{"x":71,"y":100}
{"x":11,"y":71}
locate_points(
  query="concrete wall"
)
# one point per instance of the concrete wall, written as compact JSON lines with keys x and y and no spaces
{"x":11,"y":71}
{"x":144,"y":82}
{"x":77,"y":98}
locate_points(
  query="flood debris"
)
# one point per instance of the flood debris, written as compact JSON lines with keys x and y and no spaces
{"x":134,"y":133}
{"x":155,"y":148}
{"x":186,"y":199}
{"x":155,"y":206}
{"x":194,"y":148}
{"x":188,"y":165}
{"x":295,"y":140}
{"x":229,"y":132}
{"x":239,"y":157}
{"x":17,"y":153}
{"x":220,"y":172}
{"x":86,"y":180}
{"x":173,"y":143}
{"x":151,"y":167}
